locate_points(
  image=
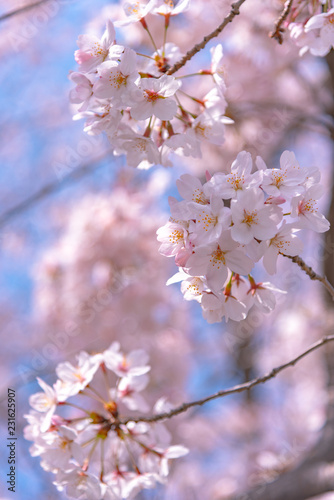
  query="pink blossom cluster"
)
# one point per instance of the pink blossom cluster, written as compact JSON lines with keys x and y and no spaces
{"x":311,"y":26}
{"x":93,"y":454}
{"x":223,"y":227}
{"x":131,"y":97}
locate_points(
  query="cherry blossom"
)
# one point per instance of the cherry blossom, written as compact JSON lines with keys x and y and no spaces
{"x":217,"y":67}
{"x":325,"y":39}
{"x":79,"y":484}
{"x":314,"y":29}
{"x":93,"y":51}
{"x":212,"y":308}
{"x":210,"y":126}
{"x":127,"y":392}
{"x":191,"y":189}
{"x":44,"y":402}
{"x":163,"y":59}
{"x":238,"y":180}
{"x":102,"y":117}
{"x":140,"y":151}
{"x":134,"y":364}
{"x":174,"y":241}
{"x":83,"y":91}
{"x":216,"y":259}
{"x":261,"y":294}
{"x":286,"y":181}
{"x":93,"y":454}
{"x":252,"y":218}
{"x":286,"y":242}
{"x":136,"y":11}
{"x":76,"y":378}
{"x":304,"y":208}
{"x":117,"y":80}
{"x":170,"y":8}
{"x":156,"y":98}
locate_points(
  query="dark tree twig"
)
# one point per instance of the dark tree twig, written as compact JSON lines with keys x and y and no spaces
{"x":277,"y":33}
{"x":190,"y":54}
{"x":22,"y":9}
{"x":226,"y":392}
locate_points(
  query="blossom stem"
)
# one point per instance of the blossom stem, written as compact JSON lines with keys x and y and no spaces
{"x":102,"y":460}
{"x":89,"y":441}
{"x":165,"y":39}
{"x":75,"y":406}
{"x":132,"y":458}
{"x":193,"y":74}
{"x":97,"y":393}
{"x":150,"y":35}
{"x":179,"y":102}
{"x":77,"y":419}
{"x":191,"y":97}
{"x":179,"y":117}
{"x":147,"y":448}
{"x":90,"y":454}
{"x":92,"y":396}
{"x":145,"y":55}
{"x":105,"y":377}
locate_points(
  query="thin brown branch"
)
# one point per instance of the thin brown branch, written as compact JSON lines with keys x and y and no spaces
{"x":22,"y":9}
{"x":190,"y":54}
{"x":233,"y":390}
{"x":277,"y":33}
{"x":312,"y":274}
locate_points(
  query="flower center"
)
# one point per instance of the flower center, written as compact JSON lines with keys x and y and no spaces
{"x":194,"y":287}
{"x":330,"y":19}
{"x":278,"y":178}
{"x":306,"y":206}
{"x":176,"y":236}
{"x":218,"y":258}
{"x":161,"y":63}
{"x":79,"y":376}
{"x":117,"y":80}
{"x":152,"y":96}
{"x":237,"y":182}
{"x":207,"y":220}
{"x":140,"y":145}
{"x":98,"y":50}
{"x":133,"y":9}
{"x":250,"y":218}
{"x":198,"y":197}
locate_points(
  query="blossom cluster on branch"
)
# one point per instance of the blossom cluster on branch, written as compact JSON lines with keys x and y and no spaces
{"x":311,"y":26}
{"x":93,"y":454}
{"x":226,"y":225}
{"x":217,"y":234}
{"x":133,"y":99}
